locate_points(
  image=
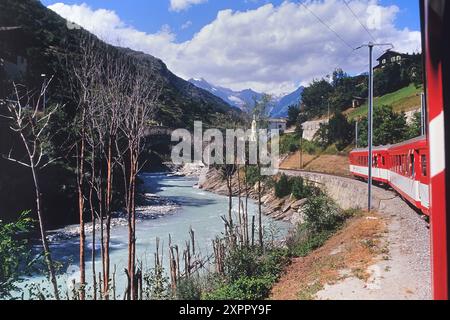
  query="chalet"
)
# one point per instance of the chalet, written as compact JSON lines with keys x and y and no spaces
{"x":390,"y":57}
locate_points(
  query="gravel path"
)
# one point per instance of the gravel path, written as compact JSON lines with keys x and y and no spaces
{"x":404,"y":271}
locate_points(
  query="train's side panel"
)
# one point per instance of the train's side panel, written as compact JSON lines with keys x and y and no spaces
{"x":436,"y":46}
{"x":403,"y":167}
{"x":407,"y":187}
{"x":411,"y":181}
{"x":380,"y":172}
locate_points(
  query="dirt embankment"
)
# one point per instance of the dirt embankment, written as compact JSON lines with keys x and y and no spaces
{"x":349,"y":253}
{"x":376,"y":257}
{"x":331,"y":164}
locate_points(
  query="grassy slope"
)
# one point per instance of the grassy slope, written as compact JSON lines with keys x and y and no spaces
{"x":405,"y":99}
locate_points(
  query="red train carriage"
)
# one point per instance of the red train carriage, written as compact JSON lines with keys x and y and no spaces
{"x":359,"y":159}
{"x":403,"y":166}
{"x":408,"y":172}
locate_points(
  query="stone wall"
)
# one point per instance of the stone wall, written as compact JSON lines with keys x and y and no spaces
{"x":348,"y":193}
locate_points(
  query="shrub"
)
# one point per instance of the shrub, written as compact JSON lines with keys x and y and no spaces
{"x":252,"y":175}
{"x":310,"y":147}
{"x":241,"y":262}
{"x":299,"y":190}
{"x":273,"y":262}
{"x":249,"y":274}
{"x":295,"y":186}
{"x":245,"y":288}
{"x":156,"y":285}
{"x":189,"y":289}
{"x":14,"y":253}
{"x":322,"y":219}
{"x":322,"y":214}
{"x":282,"y":187}
{"x":289,"y":143}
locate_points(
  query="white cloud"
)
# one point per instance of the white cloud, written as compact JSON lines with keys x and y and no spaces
{"x":271,"y":49}
{"x":180,"y":5}
{"x":186,"y":25}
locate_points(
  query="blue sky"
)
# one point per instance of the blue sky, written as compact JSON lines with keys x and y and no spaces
{"x":249,"y":43}
{"x":150,"y":15}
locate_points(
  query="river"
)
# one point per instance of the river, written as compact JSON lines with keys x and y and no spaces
{"x":198,"y":209}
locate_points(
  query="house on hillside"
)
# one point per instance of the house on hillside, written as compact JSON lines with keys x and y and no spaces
{"x":280,"y":124}
{"x":390,"y":57}
{"x":310,"y":128}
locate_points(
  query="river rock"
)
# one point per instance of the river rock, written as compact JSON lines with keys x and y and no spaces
{"x":299,"y":203}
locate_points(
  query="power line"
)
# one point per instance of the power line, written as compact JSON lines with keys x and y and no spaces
{"x":327,"y":26}
{"x":362,"y":24}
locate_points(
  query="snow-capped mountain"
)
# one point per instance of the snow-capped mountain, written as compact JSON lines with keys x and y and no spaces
{"x":240,"y":99}
{"x":281,"y":108}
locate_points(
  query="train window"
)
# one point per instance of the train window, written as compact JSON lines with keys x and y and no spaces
{"x":383,"y":161}
{"x":405,"y":165}
{"x":423,"y":160}
{"x":411,"y":166}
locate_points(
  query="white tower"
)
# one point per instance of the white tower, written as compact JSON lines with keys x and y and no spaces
{"x":254,"y":135}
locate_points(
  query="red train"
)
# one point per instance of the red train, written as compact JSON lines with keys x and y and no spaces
{"x":403,"y":166}
{"x":417,"y":169}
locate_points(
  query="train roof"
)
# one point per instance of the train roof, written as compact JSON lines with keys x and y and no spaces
{"x":377,"y":148}
{"x":414,"y":140}
{"x":390,"y":146}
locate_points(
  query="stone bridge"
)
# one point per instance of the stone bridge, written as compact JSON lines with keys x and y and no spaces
{"x":157,"y":135}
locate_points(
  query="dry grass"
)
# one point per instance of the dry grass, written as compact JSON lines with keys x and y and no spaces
{"x":356,"y":247}
{"x":331,"y":164}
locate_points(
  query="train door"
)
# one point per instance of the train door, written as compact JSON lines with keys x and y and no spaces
{"x":422,"y":177}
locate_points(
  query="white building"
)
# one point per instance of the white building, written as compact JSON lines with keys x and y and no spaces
{"x":310,"y":128}
{"x":280,"y":124}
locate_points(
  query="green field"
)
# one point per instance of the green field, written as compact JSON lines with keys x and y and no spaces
{"x":405,"y":99}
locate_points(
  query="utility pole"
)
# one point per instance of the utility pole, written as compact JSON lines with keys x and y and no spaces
{"x":328,"y":111}
{"x":370,"y":131}
{"x":44,"y":76}
{"x":371,"y":45}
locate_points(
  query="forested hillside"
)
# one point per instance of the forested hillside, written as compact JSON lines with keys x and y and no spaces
{"x":50,"y":46}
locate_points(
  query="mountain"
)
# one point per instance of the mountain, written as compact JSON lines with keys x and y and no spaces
{"x":46,"y":39}
{"x":238,"y":99}
{"x":280,"y":110}
{"x":279,"y":106}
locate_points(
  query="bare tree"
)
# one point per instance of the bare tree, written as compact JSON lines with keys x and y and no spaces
{"x":84,"y":77}
{"x":260,"y":111}
{"x":141,"y":100}
{"x":115,"y":91}
{"x":30,"y":120}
